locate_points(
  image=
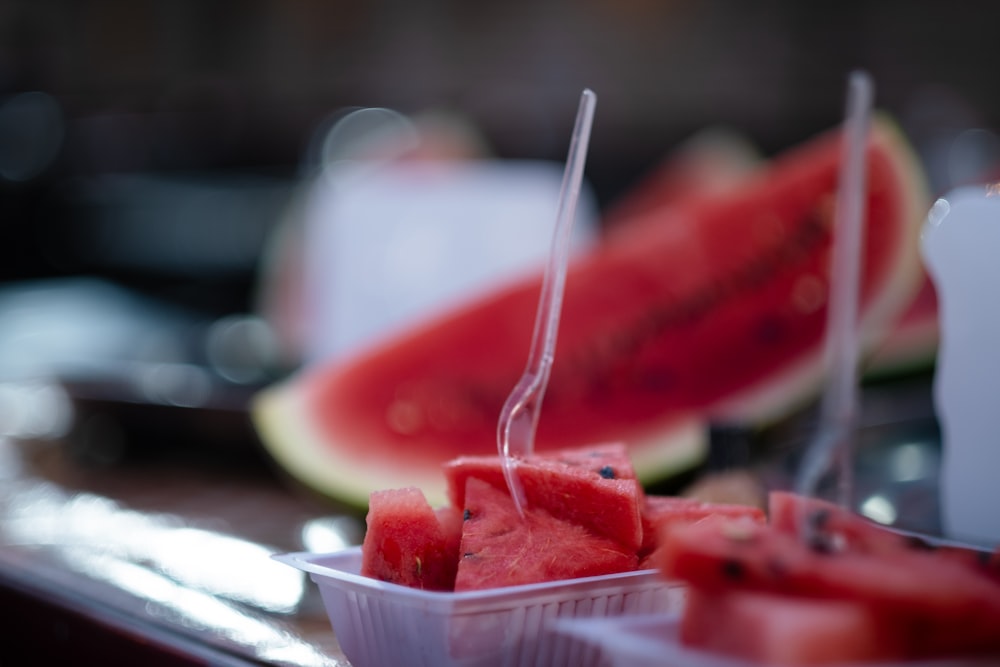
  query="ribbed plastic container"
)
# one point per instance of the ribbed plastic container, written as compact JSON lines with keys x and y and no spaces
{"x":379,"y":624}
{"x":650,"y":640}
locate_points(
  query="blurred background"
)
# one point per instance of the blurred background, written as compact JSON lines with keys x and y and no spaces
{"x":227,"y":95}
{"x":156,"y":157}
{"x":151,"y":153}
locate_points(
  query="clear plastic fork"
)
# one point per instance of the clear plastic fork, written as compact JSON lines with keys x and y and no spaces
{"x":832,"y":446}
{"x":519,"y":416}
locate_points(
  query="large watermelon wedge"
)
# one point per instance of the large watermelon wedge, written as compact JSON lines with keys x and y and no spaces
{"x":717,"y":309}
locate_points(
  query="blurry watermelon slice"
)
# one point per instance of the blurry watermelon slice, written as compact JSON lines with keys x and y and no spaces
{"x":660,"y":513}
{"x":770,"y":629}
{"x":924,"y":604}
{"x":712,"y":307}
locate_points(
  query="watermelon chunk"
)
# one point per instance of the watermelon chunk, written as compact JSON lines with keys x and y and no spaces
{"x":661,"y":513}
{"x":407,"y":542}
{"x":935,"y":606}
{"x":594,"y":487}
{"x":450,"y":518}
{"x":499,"y":548}
{"x":830,"y":525}
{"x":777,"y":630}
{"x":712,"y":307}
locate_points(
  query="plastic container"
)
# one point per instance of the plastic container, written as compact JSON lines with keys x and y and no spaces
{"x":383,"y":624}
{"x":650,"y":640}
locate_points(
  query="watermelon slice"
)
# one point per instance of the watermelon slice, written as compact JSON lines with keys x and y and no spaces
{"x":593,"y":487}
{"x":713,"y":307}
{"x":409,"y":543}
{"x":499,"y":548}
{"x":830,"y":525}
{"x":769,"y":629}
{"x":660,"y":513}
{"x":927,"y":604}
{"x":586,"y":515}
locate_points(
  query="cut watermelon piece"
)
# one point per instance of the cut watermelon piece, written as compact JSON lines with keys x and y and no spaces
{"x":832,"y":526}
{"x":714,"y":307}
{"x":582,"y":519}
{"x":594,"y":487}
{"x":828,"y":523}
{"x":777,"y":630}
{"x":660,"y":513}
{"x":407,"y":542}
{"x":450,"y":518}
{"x":500,"y":548}
{"x":939,"y":605}
{"x":608,"y":461}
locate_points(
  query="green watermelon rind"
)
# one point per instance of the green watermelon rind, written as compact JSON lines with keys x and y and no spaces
{"x":290,"y":435}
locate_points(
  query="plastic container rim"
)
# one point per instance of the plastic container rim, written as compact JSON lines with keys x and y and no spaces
{"x":335,"y":568}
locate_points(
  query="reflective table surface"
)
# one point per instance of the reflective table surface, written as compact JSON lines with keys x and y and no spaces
{"x":163,"y":554}
{"x":159,"y":563}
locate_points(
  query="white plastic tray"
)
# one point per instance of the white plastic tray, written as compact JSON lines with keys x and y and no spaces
{"x":379,"y":624}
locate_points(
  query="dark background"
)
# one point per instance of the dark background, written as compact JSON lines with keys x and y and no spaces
{"x":227,"y":91}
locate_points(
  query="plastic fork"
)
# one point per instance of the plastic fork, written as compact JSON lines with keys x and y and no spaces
{"x":519,"y":416}
{"x":840,"y":402}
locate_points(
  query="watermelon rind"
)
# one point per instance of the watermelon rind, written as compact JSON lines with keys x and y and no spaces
{"x":291,"y":436}
{"x":350,"y":472}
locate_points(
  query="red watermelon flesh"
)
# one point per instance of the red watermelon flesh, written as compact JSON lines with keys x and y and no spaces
{"x":407,"y":543}
{"x":938,"y":606}
{"x":450,"y":518}
{"x":833,"y":526}
{"x":499,"y":548}
{"x":593,"y":487}
{"x":660,"y":513}
{"x":828,"y":523}
{"x":783,"y":631}
{"x":713,"y":307}
{"x":573,"y":528}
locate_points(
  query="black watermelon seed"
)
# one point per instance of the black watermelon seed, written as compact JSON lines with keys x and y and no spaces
{"x":733,"y":570}
{"x":820,"y":545}
{"x":466,"y":515}
{"x":819,"y":519}
{"x":607,"y":472}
